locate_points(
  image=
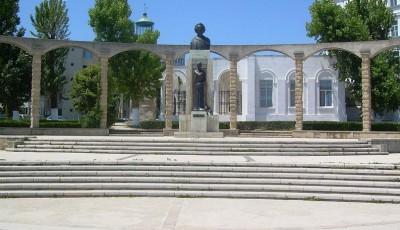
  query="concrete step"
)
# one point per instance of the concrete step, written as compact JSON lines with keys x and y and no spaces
{"x":255,"y":175}
{"x":199,"y":187}
{"x":207,"y":153}
{"x":198,"y":140}
{"x":265,"y":133}
{"x":172,"y":168}
{"x":203,"y":148}
{"x":207,"y":164}
{"x":198,"y":194}
{"x":195,"y":144}
{"x":185,"y":180}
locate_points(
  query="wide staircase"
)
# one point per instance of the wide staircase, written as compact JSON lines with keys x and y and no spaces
{"x":206,"y":178}
{"x":329,"y":182}
{"x":212,"y":147}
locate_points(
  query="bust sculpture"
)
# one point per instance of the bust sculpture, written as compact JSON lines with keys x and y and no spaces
{"x":200,"y":42}
{"x":199,"y":84}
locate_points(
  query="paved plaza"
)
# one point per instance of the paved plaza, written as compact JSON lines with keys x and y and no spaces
{"x":194,"y":214}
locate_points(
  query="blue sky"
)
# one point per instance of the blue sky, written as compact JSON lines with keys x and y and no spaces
{"x":227,"y":21}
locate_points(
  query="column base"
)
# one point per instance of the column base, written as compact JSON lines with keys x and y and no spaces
{"x":199,"y":135}
{"x":169,"y":132}
{"x":231,"y":132}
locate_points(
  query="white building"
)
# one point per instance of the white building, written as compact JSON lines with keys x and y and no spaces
{"x":77,"y":59}
{"x":266,"y":89}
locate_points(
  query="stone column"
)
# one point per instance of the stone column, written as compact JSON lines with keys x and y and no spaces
{"x":233,"y":91}
{"x":104,"y":92}
{"x":169,"y":102}
{"x":35,"y":92}
{"x":366,"y":90}
{"x":299,"y":58}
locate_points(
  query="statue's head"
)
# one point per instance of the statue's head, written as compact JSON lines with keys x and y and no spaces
{"x":199,"y":65}
{"x":200,"y":28}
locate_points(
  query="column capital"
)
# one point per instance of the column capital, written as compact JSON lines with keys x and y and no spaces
{"x":233,"y":57}
{"x":103,"y":59}
{"x":299,"y":55}
{"x":366,"y":53}
{"x":169,"y":56}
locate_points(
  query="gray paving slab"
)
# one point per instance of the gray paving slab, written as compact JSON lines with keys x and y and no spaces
{"x":193,"y":214}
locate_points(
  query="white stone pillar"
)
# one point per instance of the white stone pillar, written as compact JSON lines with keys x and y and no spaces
{"x":299,"y":58}
{"x":35,"y":92}
{"x":233,"y":91}
{"x":366,"y":90}
{"x":169,"y":85}
{"x":104,"y":92}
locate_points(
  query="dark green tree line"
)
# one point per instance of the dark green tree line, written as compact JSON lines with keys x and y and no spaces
{"x":360,"y":20}
{"x":51,"y":22}
{"x":15,"y":64}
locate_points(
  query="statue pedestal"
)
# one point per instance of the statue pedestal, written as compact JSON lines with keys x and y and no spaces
{"x":199,"y":125}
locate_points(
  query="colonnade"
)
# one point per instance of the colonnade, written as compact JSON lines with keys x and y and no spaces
{"x":233,"y":59}
{"x":299,"y":52}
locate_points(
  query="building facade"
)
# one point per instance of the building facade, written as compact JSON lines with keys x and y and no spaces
{"x":266,"y":89}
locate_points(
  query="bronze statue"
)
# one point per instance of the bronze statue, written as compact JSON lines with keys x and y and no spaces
{"x":200,"y":42}
{"x":199,"y":84}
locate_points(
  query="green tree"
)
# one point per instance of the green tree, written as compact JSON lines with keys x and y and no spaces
{"x":136,"y":73}
{"x":85,"y":96}
{"x":139,"y":75}
{"x":51,"y":22}
{"x":359,"y":20}
{"x":15,"y":64}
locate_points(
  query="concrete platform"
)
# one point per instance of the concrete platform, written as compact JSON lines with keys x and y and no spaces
{"x":199,"y":134}
{"x":193,"y":214}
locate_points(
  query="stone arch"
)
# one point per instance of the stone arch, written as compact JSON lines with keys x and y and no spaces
{"x":224,"y":93}
{"x":264,"y":50}
{"x":327,"y":49}
{"x":382,"y":50}
{"x":17,"y":44}
{"x":70,"y":46}
{"x":127,"y":49}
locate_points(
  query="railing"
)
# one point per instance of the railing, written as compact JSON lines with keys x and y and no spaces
{"x":224,"y":104}
{"x":179,"y":102}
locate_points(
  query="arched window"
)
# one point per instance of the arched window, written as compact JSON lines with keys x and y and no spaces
{"x":325,"y":93}
{"x":224,"y":94}
{"x":325,"y":89}
{"x":292,"y":90}
{"x":179,"y":98}
{"x":266,"y":87}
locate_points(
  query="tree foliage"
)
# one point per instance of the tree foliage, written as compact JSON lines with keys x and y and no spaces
{"x":359,"y":20}
{"x":136,"y":73}
{"x":86,"y":89}
{"x":15,"y":64}
{"x":85,"y":95}
{"x":110,"y":21}
{"x":51,"y":22}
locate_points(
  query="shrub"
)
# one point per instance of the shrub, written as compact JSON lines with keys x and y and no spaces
{"x":260,"y":125}
{"x":332,"y":126}
{"x":91,"y":119}
{"x":12,"y":123}
{"x":59,"y":124}
{"x":157,"y":125}
{"x":386,"y":126}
